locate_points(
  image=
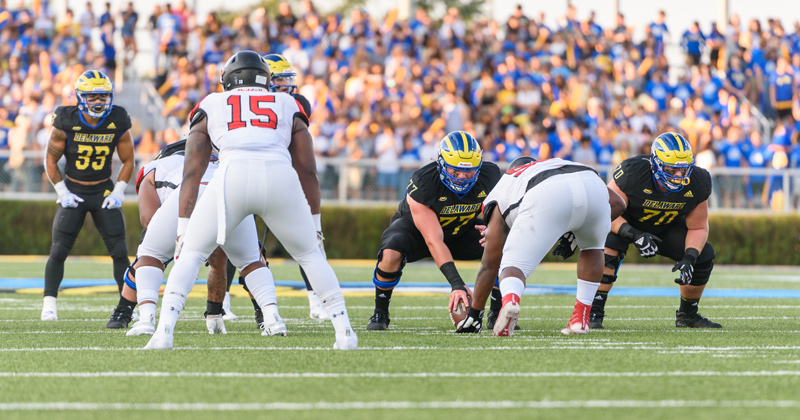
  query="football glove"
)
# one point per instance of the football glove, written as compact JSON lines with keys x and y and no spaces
{"x":645,"y":242}
{"x":686,"y":266}
{"x":471,"y":324}
{"x":565,"y":247}
{"x":182,"y":223}
{"x":65,"y":197}
{"x":114,"y":200}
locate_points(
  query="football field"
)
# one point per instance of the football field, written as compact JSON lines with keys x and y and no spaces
{"x":639,"y":366}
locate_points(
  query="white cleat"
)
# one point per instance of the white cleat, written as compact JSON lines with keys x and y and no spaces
{"x":576,"y":328}
{"x":215,"y":324}
{"x":226,"y":307}
{"x":346,"y":341}
{"x":161,"y":340}
{"x":275,"y":327}
{"x":49,"y":309}
{"x":316,"y":310}
{"x":142,"y":328}
{"x":508,"y":317}
{"x":135,"y":315}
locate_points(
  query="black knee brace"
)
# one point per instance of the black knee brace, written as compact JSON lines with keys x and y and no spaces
{"x":394,"y":276}
{"x":613,"y":261}
{"x":59,"y":252}
{"x":608,"y":279}
{"x":702,"y":272}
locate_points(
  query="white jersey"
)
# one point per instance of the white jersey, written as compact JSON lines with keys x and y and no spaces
{"x":251,"y":123}
{"x":168,"y":174}
{"x":511,"y":189}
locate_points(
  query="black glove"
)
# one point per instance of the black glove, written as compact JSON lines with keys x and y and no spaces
{"x":645,"y":242}
{"x":472,"y":323}
{"x":686,"y":266}
{"x":565,"y":247}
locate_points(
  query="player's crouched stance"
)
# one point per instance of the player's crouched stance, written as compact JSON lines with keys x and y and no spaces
{"x":531,"y":207}
{"x":666,"y":214}
{"x":267,"y":163}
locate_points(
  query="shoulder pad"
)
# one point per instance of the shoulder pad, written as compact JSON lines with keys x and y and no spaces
{"x":197,"y":116}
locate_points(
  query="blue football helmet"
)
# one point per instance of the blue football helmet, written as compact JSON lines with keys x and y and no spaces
{"x":671,"y":152}
{"x":459,"y":151}
{"x":94,"y":82}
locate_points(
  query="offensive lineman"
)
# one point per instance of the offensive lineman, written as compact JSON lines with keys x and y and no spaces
{"x":87,"y":135}
{"x":666,"y":214}
{"x":266,"y":152}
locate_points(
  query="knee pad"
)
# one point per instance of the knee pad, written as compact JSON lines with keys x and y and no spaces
{"x":613,"y":261}
{"x":130,"y":275}
{"x":608,"y":279}
{"x":119,"y":251}
{"x":395,"y":276}
{"x":59,"y":252}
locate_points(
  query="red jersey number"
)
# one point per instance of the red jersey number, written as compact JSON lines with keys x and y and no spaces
{"x":235,"y":102}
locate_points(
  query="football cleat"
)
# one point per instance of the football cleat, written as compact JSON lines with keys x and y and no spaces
{"x":316,"y":310}
{"x":579,"y":321}
{"x":49,"y":309}
{"x":135,"y":315}
{"x":274,"y":327}
{"x":226,"y":308}
{"x":695,"y":320}
{"x":596,"y":318}
{"x":161,"y":340}
{"x":142,"y":328}
{"x":259,"y":318}
{"x":379,"y":321}
{"x":120,"y":318}
{"x":492,"y":318}
{"x":346,"y":341}
{"x":215,"y":324}
{"x":508,"y":317}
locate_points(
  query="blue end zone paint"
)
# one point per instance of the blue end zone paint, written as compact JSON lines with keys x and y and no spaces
{"x":536,"y":289}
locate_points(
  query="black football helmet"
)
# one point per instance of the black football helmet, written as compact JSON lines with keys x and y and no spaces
{"x":522,"y":160}
{"x":245,"y":68}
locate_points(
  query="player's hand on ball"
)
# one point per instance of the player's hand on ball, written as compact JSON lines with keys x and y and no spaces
{"x":470,"y":324}
{"x":565,"y":247}
{"x":460,"y":296}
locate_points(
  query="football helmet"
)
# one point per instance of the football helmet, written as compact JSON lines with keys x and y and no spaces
{"x":283,"y":75}
{"x":522,"y":160}
{"x":459,"y":152}
{"x":94,"y":82}
{"x":671,"y":153}
{"x":245,"y":68}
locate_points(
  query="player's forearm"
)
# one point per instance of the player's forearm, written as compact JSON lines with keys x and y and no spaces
{"x":483,"y":284}
{"x":53,"y":173}
{"x":126,"y":171}
{"x":617,"y":223}
{"x":696,"y":238}
{"x":310,"y":184}
{"x":439,"y":251}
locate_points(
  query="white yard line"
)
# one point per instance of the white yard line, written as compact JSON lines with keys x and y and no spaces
{"x":398,"y":405}
{"x":566,"y":344}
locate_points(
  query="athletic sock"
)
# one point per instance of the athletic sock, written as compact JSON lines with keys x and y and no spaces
{"x":213,"y":308}
{"x":512,"y":285}
{"x":689,"y":306}
{"x":496,"y":302}
{"x":586,"y":291}
{"x":125,"y":302}
{"x":382,"y":299}
{"x":599,"y":301}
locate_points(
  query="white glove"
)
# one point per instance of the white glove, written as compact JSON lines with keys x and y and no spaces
{"x":320,"y":237}
{"x":65,"y":197}
{"x":114,"y":200}
{"x":182,"y":223}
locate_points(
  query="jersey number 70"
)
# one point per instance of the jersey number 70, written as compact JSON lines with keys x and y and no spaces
{"x":235,"y":102}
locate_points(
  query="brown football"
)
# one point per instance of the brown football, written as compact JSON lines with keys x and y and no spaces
{"x":460,"y":312}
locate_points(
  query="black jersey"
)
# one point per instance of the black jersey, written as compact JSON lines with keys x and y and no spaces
{"x":651,"y":210}
{"x":90,"y":148}
{"x":456,"y":215}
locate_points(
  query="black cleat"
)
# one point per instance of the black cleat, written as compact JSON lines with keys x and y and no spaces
{"x":492,"y":317}
{"x":120,"y":318}
{"x":259,"y":319}
{"x":695,"y":320}
{"x":596,"y":319}
{"x":379,"y":321}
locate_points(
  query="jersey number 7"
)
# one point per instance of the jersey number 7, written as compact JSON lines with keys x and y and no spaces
{"x":235,"y":102}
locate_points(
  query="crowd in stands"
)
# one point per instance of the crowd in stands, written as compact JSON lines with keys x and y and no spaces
{"x":389,"y":89}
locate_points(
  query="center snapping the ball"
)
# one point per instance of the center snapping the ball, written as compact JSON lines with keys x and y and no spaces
{"x":460,"y":312}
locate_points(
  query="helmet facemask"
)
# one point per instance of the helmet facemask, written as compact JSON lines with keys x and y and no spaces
{"x":663,"y":173}
{"x":460,"y":186}
{"x":284,"y":82}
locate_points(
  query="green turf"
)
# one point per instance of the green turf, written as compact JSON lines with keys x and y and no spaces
{"x":640,"y":366}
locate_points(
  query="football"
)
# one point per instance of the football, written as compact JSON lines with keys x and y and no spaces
{"x":460,"y":312}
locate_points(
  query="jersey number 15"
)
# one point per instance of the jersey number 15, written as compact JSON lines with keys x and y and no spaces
{"x":235,"y":102}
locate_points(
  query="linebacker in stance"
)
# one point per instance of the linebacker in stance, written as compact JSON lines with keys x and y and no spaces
{"x":529,"y":210}
{"x":438,"y":218}
{"x":266,"y":165}
{"x":87,"y":135}
{"x":666,"y":214}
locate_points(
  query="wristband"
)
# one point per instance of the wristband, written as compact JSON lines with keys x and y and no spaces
{"x":182,"y":223}
{"x":120,"y":186}
{"x":627,"y":231}
{"x":452,"y":276}
{"x":317,"y":222}
{"x":691,"y":255}
{"x":61,"y":188}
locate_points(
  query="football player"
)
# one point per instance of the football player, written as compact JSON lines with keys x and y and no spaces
{"x":438,"y":218}
{"x":531,"y":207}
{"x":87,"y":134}
{"x":283,"y":80}
{"x":666,"y":214}
{"x":267,"y":168}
